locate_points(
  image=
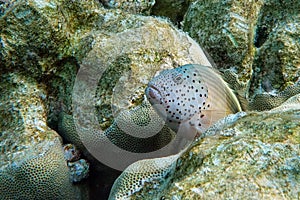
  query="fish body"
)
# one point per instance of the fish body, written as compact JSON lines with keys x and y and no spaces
{"x":191,"y":98}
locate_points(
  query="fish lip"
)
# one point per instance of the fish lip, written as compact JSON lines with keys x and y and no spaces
{"x":155,"y":88}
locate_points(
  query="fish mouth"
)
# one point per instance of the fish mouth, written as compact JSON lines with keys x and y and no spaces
{"x":152,"y":91}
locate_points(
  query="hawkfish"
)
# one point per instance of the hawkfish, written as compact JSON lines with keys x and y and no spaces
{"x":191,"y":98}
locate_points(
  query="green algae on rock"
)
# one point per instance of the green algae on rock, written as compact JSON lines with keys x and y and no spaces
{"x":247,"y":165}
{"x":23,"y":114}
{"x":51,"y":38}
{"x":47,"y":41}
{"x":256,"y":155}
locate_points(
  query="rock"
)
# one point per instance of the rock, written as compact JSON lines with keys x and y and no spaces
{"x":257,"y":157}
{"x":53,"y":57}
{"x":23,"y":114}
{"x":35,"y":35}
{"x":4,"y":5}
{"x":132,"y":6}
{"x":226,"y":30}
{"x":276,"y":63}
{"x":254,"y":155}
{"x":44,"y":44}
{"x":258,"y":39}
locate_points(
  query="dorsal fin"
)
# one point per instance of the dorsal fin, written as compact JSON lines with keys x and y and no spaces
{"x":232,"y":81}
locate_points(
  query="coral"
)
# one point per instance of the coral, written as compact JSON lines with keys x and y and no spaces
{"x":292,"y":103}
{"x":67,"y":130}
{"x":152,"y":173}
{"x":260,"y":102}
{"x":132,"y":121}
{"x":45,"y":43}
{"x":45,"y":176}
{"x":269,"y":101}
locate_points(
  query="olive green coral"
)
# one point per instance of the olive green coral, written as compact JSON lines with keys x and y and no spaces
{"x":67,"y":130}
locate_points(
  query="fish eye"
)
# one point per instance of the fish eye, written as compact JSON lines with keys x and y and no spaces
{"x":178,"y":78}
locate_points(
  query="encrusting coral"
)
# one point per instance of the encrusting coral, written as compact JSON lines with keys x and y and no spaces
{"x":45,"y":176}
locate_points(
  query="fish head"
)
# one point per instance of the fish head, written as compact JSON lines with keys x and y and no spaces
{"x":178,"y":94}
